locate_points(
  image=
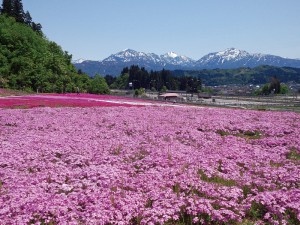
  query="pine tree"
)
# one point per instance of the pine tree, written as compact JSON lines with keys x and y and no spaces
{"x":36,"y":27}
{"x":27,"y":18}
{"x":7,"y":7}
{"x":18,"y":11}
{"x":274,"y":86}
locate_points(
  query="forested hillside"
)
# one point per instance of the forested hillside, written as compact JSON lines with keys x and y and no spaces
{"x":136,"y":78}
{"x":28,"y":61}
{"x":243,"y":76}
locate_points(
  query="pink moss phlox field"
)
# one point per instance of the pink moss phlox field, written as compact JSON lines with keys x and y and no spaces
{"x":148,"y":165}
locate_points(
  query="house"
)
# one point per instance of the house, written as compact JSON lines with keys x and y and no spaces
{"x":170,"y":97}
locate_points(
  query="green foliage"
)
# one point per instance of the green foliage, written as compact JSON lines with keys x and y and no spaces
{"x":155,"y":80}
{"x":164,"y":89}
{"x":139,"y":92}
{"x":29,"y":61}
{"x":7,"y":7}
{"x":18,"y":12}
{"x":110,"y":79}
{"x":216,"y":179}
{"x":243,"y":134}
{"x":291,"y":217}
{"x":222,"y":133}
{"x":293,"y":154}
{"x":121,"y":82}
{"x":243,"y":76}
{"x":249,"y":134}
{"x":257,"y":211}
{"x":284,"y":89}
{"x":98,"y":85}
{"x":193,"y":85}
{"x":14,"y":8}
{"x":176,"y":189}
{"x":265,"y":90}
{"x":246,"y":190}
{"x":274,"y":87}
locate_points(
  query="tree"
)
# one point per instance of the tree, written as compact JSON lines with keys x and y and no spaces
{"x":98,"y":85}
{"x":164,"y":89}
{"x":18,"y":11}
{"x":265,"y":89}
{"x":14,"y":8}
{"x":27,"y":19}
{"x":36,"y":27}
{"x":193,"y":85}
{"x":284,"y":89}
{"x":7,"y":7}
{"x":121,"y":82}
{"x":110,"y":79}
{"x":274,"y":86}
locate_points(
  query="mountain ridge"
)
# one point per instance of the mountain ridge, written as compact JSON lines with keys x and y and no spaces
{"x":228,"y":59}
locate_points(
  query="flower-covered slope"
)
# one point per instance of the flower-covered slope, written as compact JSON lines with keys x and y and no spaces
{"x":148,"y":165}
{"x":69,"y":100}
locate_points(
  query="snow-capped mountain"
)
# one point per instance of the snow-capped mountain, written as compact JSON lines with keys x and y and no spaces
{"x":234,"y":58}
{"x":116,"y":62}
{"x":132,"y":56}
{"x":173,"y":59}
{"x":126,"y":55}
{"x":168,"y":59}
{"x":227,"y":59}
{"x":230,"y":55}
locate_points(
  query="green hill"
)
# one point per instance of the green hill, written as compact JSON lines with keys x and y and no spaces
{"x":29,"y":61}
{"x":243,"y":76}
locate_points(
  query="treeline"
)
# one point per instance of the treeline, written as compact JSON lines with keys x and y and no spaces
{"x":135,"y":77}
{"x":274,"y":87}
{"x":243,"y":76}
{"x":14,"y":8}
{"x":28,"y":61}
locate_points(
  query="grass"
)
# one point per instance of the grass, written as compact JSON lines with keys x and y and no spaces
{"x":257,"y":211}
{"x":216,"y":179}
{"x":294,"y":154}
{"x":176,"y":189}
{"x":276,"y":164}
{"x":251,"y":135}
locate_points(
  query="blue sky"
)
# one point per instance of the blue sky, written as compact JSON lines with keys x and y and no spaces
{"x":95,"y":29}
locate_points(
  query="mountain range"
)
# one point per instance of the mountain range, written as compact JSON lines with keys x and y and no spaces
{"x":228,"y":59}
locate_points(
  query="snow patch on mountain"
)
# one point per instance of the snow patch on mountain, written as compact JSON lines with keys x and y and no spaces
{"x":171,"y":55}
{"x":78,"y":61}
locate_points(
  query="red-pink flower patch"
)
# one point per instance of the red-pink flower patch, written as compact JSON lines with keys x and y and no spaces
{"x":67,"y":100}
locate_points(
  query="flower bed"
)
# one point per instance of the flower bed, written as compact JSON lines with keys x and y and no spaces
{"x":67,"y":100}
{"x":149,"y":165}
